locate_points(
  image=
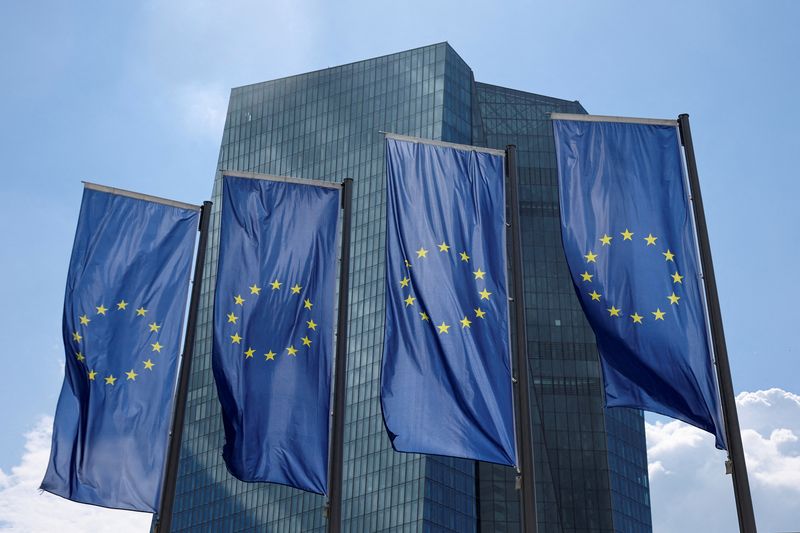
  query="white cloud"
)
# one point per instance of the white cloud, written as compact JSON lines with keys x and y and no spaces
{"x":688,"y":488}
{"x":202,"y":108}
{"x":195,"y":51}
{"x":232,"y":43}
{"x":24,"y":508}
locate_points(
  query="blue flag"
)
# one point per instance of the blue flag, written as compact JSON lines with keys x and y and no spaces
{"x":446,"y":374}
{"x":630,"y":244}
{"x":273,"y":329}
{"x":123,"y":315}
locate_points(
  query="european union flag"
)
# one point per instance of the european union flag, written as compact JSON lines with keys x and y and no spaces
{"x":629,"y":240}
{"x":273,"y":329}
{"x":123,"y":315}
{"x":446,"y":374}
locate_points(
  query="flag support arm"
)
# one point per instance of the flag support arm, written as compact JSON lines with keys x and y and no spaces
{"x":163,"y":522}
{"x":736,"y":459}
{"x":526,"y":470}
{"x":336,"y":459}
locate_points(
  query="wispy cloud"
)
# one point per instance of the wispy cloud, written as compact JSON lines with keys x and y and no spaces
{"x":196,"y":51}
{"x":687,"y":472}
{"x":24,"y":508}
{"x":202,"y":109}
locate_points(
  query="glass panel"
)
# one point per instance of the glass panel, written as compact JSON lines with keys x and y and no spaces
{"x":591,"y":466}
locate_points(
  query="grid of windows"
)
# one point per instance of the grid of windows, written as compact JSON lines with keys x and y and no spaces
{"x":591,"y":464}
{"x":325,"y":125}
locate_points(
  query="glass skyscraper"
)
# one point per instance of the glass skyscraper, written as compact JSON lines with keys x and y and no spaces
{"x":591,"y":465}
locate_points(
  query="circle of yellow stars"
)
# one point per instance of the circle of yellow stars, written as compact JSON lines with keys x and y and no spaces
{"x":614,"y":312}
{"x":101,"y":312}
{"x":475,"y":314}
{"x":275,"y":285}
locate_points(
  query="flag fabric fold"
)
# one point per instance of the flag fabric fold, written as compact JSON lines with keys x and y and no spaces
{"x":123,"y":316}
{"x":446,"y":369}
{"x":273,"y":329}
{"x":629,"y":240}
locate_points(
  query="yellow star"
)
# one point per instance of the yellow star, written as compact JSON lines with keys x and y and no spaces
{"x":484,"y":294}
{"x":276,"y":284}
{"x":659,"y":314}
{"x":311,"y":325}
{"x":637,"y":318}
{"x":84,"y":320}
{"x":677,"y":278}
{"x":613,"y":311}
{"x":269,"y":356}
{"x":255,"y":289}
{"x":236,"y":339}
{"x":141,"y":311}
{"x":595,"y":296}
{"x":606,"y":240}
{"x":464,"y":256}
{"x":249,"y":353}
{"x":404,"y":282}
{"x":586,"y":276}
{"x":122,"y":305}
{"x":154,"y":327}
{"x":480,"y":313}
{"x":157,"y":347}
{"x":76,"y":336}
{"x":465,"y":322}
{"x":232,"y":318}
{"x":238,"y":300}
{"x":627,"y":235}
{"x":651,"y":241}
{"x":92,"y":374}
{"x":110,"y":380}
{"x":296,"y":289}
{"x":148,"y":365}
{"x":409,"y":300}
{"x":101,"y":309}
{"x":669,"y":256}
{"x":422,"y":252}
{"x":79,"y":356}
{"x":443,"y":328}
{"x":479,"y":274}
{"x":306,"y":341}
{"x":408,"y":265}
{"x":424,"y":316}
{"x":307,"y":303}
{"x":444,"y":248}
{"x":590,"y":257}
{"x":673,"y":299}
{"x":131,"y":375}
{"x":292,"y":350}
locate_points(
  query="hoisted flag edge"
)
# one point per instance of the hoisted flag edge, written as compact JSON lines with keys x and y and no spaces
{"x":511,"y":366}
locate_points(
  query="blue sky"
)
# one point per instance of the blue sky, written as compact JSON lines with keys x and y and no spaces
{"x":134,"y":95}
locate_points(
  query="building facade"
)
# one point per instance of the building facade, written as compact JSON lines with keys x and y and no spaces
{"x":591,"y":465}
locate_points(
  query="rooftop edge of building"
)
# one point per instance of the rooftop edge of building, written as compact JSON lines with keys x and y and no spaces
{"x":444,"y":44}
{"x":526,"y":94}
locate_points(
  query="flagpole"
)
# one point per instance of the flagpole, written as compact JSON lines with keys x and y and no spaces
{"x":736,"y":459}
{"x":336,"y":459}
{"x":525,"y":471}
{"x":163,"y":523}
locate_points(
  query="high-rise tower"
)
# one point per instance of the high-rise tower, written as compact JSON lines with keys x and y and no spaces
{"x":591,"y":467}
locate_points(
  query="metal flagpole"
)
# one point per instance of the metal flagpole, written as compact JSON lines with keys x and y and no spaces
{"x":526,"y":470}
{"x":164,"y":519}
{"x":741,"y":486}
{"x":340,"y":380}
